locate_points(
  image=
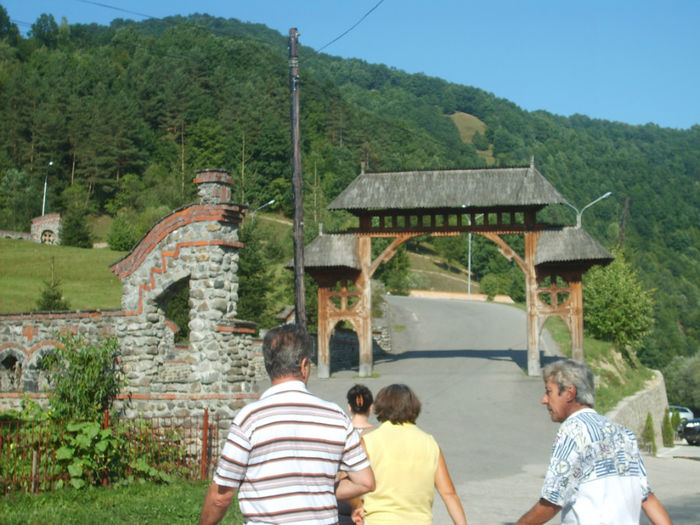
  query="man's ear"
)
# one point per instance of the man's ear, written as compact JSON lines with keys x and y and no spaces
{"x":305,"y":368}
{"x":571,"y":393}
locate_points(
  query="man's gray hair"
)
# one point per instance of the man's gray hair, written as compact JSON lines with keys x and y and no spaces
{"x":567,"y":372}
{"x":284,"y":348}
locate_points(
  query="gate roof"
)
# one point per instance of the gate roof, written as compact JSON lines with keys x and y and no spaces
{"x":440,"y":189}
{"x":570,"y":245}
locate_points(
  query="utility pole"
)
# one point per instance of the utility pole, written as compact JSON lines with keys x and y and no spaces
{"x":300,"y":302}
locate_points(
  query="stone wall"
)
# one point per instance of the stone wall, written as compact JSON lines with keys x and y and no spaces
{"x":194,"y":248}
{"x":632,"y":411}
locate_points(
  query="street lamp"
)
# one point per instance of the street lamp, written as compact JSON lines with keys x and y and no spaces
{"x":252,"y":215}
{"x":469,"y":264}
{"x":580,"y":213}
{"x":46,"y":181}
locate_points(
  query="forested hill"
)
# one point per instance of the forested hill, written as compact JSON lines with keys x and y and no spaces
{"x":127,"y":113}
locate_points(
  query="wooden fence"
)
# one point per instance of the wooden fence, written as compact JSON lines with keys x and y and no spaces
{"x":184,"y":447}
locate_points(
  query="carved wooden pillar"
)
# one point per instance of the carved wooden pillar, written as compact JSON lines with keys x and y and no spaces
{"x":325,"y":329}
{"x":533,"y":333}
{"x":364,"y":308}
{"x":576,"y":318}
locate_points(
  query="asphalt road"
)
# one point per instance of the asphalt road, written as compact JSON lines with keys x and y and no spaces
{"x":466,"y":362}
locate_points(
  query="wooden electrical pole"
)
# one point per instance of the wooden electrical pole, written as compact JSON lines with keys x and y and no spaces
{"x":300,"y":302}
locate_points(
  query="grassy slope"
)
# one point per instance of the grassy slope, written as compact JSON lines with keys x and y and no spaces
{"x":619,"y":378}
{"x":86,"y":279}
{"x":468,"y":125}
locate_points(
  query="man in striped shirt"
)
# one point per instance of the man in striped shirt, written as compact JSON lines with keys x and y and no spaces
{"x":283,"y":452}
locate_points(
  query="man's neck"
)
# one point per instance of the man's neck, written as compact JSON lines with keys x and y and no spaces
{"x":285,"y":379}
{"x":575,"y":407}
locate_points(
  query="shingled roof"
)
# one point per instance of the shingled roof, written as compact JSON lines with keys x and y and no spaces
{"x":570,"y":244}
{"x":469,"y":188}
{"x":332,"y":251}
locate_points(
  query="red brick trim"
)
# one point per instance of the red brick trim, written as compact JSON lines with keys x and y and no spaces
{"x":164,"y":266}
{"x":188,"y":397}
{"x":225,"y":213}
{"x":235,"y":329}
{"x":75,"y":314}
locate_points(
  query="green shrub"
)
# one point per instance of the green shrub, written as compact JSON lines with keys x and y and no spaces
{"x":648,"y":438}
{"x":122,"y":234}
{"x":675,"y":420}
{"x":84,"y":377}
{"x":667,"y":430}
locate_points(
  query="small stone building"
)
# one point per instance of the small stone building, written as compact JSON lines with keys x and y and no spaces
{"x":47,"y":229}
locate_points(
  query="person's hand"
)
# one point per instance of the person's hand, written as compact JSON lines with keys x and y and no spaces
{"x":358,"y":515}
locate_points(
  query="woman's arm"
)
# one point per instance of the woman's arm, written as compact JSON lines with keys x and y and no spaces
{"x":446,"y":489}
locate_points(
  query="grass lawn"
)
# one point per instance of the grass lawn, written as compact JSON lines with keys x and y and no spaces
{"x":140,"y":503}
{"x":87,"y":281}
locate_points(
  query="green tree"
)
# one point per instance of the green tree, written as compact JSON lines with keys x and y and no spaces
{"x":74,"y":226}
{"x":667,"y":430}
{"x":20,"y":200}
{"x":122,"y":234}
{"x":648,"y":435}
{"x":394,"y":272}
{"x":8,"y":30}
{"x":52,"y":294}
{"x":254,"y":278}
{"x":617,"y":308}
{"x":450,"y":248}
{"x":682,"y":377}
{"x":45,"y":30}
{"x":84,"y":377}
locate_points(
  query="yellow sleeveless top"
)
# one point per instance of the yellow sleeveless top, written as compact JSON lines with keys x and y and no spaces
{"x":404,"y":460}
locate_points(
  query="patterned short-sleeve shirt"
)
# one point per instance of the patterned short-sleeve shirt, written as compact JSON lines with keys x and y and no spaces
{"x":596,"y":473}
{"x":283,"y":453}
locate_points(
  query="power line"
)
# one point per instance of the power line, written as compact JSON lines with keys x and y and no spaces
{"x":117,"y":9}
{"x":353,"y":27}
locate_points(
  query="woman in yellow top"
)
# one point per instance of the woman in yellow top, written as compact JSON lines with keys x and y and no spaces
{"x":407,"y":463}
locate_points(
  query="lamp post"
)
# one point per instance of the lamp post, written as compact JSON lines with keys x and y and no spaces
{"x":252,"y":215}
{"x":469,"y":264}
{"x":580,"y":213}
{"x":46,"y":181}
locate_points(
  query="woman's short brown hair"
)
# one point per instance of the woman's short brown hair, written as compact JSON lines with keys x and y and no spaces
{"x":398,"y":404}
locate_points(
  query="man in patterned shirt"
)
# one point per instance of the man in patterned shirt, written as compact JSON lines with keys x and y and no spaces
{"x":596,"y":474}
{"x":283,"y":451}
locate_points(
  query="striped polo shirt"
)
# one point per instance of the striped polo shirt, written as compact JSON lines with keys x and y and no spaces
{"x":283,"y":452}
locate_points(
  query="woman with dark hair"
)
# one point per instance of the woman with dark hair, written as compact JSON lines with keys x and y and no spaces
{"x":360,"y":407}
{"x":408,"y":465}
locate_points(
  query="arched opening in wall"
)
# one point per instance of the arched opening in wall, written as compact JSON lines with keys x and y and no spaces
{"x":175,"y":302}
{"x":35,"y":378}
{"x":48,"y":237}
{"x":10,"y":374}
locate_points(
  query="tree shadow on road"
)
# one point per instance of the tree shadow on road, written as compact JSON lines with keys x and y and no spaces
{"x":519,"y":357}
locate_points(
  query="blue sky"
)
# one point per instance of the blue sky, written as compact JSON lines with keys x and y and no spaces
{"x":633,"y":61}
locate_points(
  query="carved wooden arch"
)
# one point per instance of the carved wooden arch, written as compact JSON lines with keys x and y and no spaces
{"x":355,"y":306}
{"x":358,"y":314}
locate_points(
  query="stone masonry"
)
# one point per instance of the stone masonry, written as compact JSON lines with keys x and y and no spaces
{"x":194,"y":247}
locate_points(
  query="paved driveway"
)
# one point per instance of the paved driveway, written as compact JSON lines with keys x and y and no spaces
{"x":465,"y":361}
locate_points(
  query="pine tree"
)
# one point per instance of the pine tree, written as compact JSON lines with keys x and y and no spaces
{"x":52,"y":294}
